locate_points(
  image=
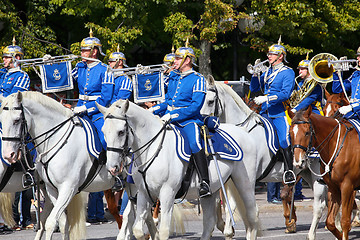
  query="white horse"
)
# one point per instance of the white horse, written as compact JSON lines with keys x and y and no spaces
{"x":130,"y":126}
{"x":63,"y":160}
{"x":230,"y":108}
{"x":13,"y":185}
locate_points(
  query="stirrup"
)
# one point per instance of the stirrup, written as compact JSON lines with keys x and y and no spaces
{"x":204,"y":190}
{"x":27,"y":180}
{"x":118,"y":185}
{"x":289,"y":177}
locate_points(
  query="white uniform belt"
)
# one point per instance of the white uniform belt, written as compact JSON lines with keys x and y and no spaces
{"x":88,"y":98}
{"x":170,"y":108}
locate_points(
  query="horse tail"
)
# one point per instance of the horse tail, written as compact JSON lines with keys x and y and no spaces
{"x":76,"y":217}
{"x":177,"y":221}
{"x":6,"y":201}
{"x":233,"y":194}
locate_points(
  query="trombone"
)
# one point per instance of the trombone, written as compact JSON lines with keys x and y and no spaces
{"x":257,"y":67}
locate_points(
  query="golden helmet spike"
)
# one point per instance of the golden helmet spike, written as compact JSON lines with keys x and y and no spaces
{"x":14,"y":41}
{"x":307,"y":55}
{"x":172,"y":49}
{"x":279,"y":41}
{"x":91,"y":32}
{"x":187,"y":42}
{"x":118,"y":48}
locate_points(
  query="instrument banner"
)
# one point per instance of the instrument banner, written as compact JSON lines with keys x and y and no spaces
{"x":56,"y":77}
{"x":148,"y":87}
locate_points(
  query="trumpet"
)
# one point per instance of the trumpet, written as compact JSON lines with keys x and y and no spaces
{"x":343,"y":64}
{"x":47,"y":59}
{"x":257,"y":67}
{"x":140,"y":69}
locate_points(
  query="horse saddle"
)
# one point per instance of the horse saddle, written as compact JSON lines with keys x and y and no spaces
{"x":93,"y":143}
{"x":224,"y":145}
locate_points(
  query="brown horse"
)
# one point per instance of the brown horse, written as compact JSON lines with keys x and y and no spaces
{"x":339,"y":148}
{"x":334,"y":102}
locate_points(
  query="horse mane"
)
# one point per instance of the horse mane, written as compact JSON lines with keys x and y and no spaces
{"x":40,"y":98}
{"x":235,"y":96}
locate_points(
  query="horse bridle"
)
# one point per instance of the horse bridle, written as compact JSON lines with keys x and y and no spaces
{"x":124,"y":150}
{"x":217,"y":102}
{"x":307,"y":149}
{"x":23,"y":127}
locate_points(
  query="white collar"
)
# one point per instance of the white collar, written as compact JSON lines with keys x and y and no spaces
{"x":188,"y":72}
{"x":93,"y":64}
{"x":15,"y":69}
{"x":277,"y":66}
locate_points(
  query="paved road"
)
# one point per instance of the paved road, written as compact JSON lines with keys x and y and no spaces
{"x":271,"y":217}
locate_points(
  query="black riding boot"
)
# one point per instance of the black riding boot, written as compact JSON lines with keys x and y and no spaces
{"x":203,"y":171}
{"x":289,"y":177}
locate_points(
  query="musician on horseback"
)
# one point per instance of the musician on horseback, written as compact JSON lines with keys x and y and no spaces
{"x":277,"y":84}
{"x":95,"y":84}
{"x":12,"y":78}
{"x":184,"y":99}
{"x":123,"y":84}
{"x":351,"y":84}
{"x":308,"y":95}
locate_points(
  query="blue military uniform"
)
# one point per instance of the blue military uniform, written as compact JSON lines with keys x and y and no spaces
{"x":13,"y":80}
{"x":351,"y":84}
{"x":277,"y":83}
{"x":315,"y":99}
{"x":183,"y":101}
{"x":123,"y":87}
{"x":95,"y":84}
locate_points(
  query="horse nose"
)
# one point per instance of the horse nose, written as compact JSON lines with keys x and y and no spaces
{"x":10,"y":157}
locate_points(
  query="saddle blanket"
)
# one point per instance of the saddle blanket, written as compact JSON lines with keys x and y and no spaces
{"x":93,"y":143}
{"x":356,"y":125}
{"x":271,"y":136}
{"x":224,"y":145}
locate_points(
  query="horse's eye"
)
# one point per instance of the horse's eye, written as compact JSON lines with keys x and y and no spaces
{"x":120,"y":133}
{"x":17,"y":121}
{"x":211,"y":102}
{"x":307,"y":134}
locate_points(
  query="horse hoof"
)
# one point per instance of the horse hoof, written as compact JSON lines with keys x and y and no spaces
{"x":291,"y":227}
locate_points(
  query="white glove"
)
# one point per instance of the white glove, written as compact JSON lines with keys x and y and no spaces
{"x":151,"y":110}
{"x":293,"y":110}
{"x":166,"y":117}
{"x":260,"y":99}
{"x":80,"y":109}
{"x":47,"y":57}
{"x":345,"y":109}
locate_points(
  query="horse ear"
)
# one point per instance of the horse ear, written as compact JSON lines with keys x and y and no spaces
{"x":19,"y":97}
{"x":210,"y":79}
{"x":290,"y":113}
{"x":327,"y":94}
{"x":126,"y":105}
{"x":101,"y":108}
{"x":308,"y":112}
